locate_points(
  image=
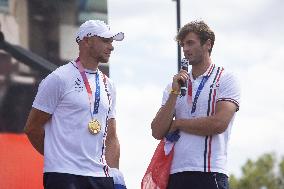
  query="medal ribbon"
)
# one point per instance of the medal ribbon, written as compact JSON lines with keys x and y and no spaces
{"x":200,"y":87}
{"x":89,"y":90}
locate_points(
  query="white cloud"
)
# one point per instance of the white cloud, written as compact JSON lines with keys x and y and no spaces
{"x":258,"y":127}
{"x":135,"y":109}
{"x":248,"y":41}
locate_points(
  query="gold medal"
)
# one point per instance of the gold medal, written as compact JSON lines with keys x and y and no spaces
{"x":94,"y":127}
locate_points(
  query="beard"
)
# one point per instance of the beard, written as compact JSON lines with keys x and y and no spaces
{"x":100,"y":58}
{"x":103,"y":59}
{"x":98,"y":55}
{"x":195,"y":60}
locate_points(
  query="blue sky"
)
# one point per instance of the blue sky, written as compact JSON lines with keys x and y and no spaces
{"x":249,"y":42}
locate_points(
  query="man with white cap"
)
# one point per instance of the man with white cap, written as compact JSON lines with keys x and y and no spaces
{"x":72,"y":120}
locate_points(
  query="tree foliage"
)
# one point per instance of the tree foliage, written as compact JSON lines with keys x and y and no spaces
{"x":264,"y":173}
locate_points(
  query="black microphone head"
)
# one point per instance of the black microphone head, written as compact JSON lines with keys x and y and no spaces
{"x":1,"y":36}
{"x":184,"y":64}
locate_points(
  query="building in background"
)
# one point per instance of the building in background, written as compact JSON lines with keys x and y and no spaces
{"x":46,"y":28}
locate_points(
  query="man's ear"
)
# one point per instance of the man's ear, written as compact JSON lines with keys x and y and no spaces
{"x":208,"y":44}
{"x":85,"y":42}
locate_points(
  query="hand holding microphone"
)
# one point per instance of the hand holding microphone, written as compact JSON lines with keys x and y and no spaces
{"x":183,"y":84}
{"x":179,"y":85}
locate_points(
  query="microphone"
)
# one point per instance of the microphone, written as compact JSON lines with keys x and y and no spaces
{"x":183,"y":85}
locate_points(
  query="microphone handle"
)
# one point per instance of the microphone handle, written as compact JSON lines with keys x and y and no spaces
{"x":183,"y":88}
{"x":183,"y":85}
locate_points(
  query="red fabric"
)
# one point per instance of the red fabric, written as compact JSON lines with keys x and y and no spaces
{"x":21,"y":167}
{"x":158,"y":171}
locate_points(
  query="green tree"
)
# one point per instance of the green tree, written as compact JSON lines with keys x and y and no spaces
{"x":281,"y":174}
{"x":259,"y":174}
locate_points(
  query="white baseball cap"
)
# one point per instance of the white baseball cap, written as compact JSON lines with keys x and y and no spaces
{"x":97,"y":28}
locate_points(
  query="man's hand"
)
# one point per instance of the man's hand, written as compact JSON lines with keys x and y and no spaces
{"x":173,"y":126}
{"x":112,"y":145}
{"x":182,"y":76}
{"x":34,"y":128}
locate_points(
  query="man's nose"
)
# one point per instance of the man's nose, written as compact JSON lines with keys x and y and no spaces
{"x":111,"y":47}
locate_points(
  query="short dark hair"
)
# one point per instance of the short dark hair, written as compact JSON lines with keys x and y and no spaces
{"x":200,"y":29}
